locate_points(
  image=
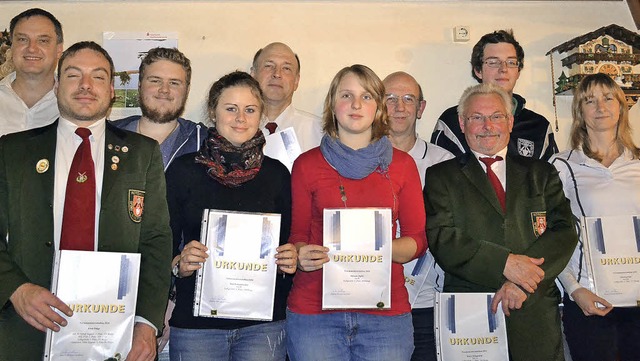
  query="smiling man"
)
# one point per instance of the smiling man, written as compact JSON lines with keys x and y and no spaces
{"x":497,"y":59}
{"x":71,"y":185}
{"x":163,"y":88}
{"x":27,"y":99}
{"x":483,"y":211}
{"x":405,"y":104}
{"x":277,"y":68}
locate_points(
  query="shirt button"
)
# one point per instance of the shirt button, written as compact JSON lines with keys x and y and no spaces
{"x":49,"y":244}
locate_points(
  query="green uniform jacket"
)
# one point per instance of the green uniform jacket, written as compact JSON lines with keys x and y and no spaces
{"x":26,"y":217}
{"x":471,"y":238}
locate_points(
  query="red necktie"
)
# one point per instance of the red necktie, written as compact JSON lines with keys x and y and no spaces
{"x":495,"y":182}
{"x":79,"y":217}
{"x":271,"y":127}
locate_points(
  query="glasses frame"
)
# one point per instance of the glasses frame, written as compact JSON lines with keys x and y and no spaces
{"x":496,"y":63}
{"x":495,"y":118}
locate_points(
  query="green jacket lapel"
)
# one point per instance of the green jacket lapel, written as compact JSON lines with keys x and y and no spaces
{"x":516,"y":178}
{"x":478,"y":178}
{"x":41,"y":160}
{"x":115,"y":158}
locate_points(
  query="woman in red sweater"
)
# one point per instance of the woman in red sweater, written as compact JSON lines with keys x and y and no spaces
{"x":355,"y":166}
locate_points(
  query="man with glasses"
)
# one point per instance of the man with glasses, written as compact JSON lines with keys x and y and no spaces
{"x":483,"y":208}
{"x":497,"y":59}
{"x":405,"y":104}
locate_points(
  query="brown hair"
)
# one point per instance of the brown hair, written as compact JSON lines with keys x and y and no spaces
{"x":579,"y":136}
{"x":371,"y":83}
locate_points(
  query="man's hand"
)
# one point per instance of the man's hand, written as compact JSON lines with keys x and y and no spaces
{"x":524,"y":271}
{"x":511,"y":296}
{"x":311,"y":257}
{"x":143,"y":347}
{"x":35,"y":305}
{"x":587,"y":302}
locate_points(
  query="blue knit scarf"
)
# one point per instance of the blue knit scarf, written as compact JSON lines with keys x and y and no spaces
{"x":357,"y":164}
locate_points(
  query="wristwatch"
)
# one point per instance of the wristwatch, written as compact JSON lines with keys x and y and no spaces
{"x":176,"y":270}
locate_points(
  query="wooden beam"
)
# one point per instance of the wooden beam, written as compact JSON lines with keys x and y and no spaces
{"x":634,"y":8}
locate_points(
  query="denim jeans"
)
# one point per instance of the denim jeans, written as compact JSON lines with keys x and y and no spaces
{"x":349,"y":336}
{"x":263,"y":342}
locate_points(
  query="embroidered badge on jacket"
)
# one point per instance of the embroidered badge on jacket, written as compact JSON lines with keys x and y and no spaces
{"x":525,"y":147}
{"x":136,"y":205}
{"x":539,"y":222}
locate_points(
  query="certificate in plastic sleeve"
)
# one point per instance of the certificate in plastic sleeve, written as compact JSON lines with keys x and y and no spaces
{"x":358,"y":274}
{"x":416,"y":274}
{"x":101,"y":288}
{"x":283,"y":146}
{"x":238,"y":279}
{"x":466,"y":329}
{"x":612,"y":253}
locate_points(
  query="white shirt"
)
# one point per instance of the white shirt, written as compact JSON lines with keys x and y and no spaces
{"x":307,"y":126}
{"x":67,"y":142}
{"x":15,"y":116}
{"x":499,"y":168}
{"x":612,"y":191}
{"x":425,"y":155}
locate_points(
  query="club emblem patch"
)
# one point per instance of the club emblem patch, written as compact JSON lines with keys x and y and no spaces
{"x":539,"y":222}
{"x":525,"y":147}
{"x":136,"y":205}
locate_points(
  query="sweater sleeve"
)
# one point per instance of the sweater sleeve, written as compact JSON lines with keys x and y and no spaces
{"x":411,"y":212}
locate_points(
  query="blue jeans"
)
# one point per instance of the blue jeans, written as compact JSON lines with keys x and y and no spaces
{"x":423,"y":336}
{"x":263,"y":342}
{"x":349,"y":336}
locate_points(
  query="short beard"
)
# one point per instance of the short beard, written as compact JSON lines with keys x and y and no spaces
{"x":161,"y":118}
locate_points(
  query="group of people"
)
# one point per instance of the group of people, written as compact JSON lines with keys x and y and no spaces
{"x":490,"y":192}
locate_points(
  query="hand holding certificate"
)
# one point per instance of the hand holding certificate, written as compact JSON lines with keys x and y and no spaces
{"x":467,"y":329}
{"x":358,"y":274}
{"x":612,"y":253}
{"x":101,"y":289}
{"x":238,"y":278}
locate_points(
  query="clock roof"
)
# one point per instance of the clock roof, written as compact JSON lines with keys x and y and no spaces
{"x":615,"y":31}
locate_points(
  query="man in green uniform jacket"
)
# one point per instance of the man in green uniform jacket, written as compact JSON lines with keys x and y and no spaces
{"x":514,"y":243}
{"x":132,"y":214}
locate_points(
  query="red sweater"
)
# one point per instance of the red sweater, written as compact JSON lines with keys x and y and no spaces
{"x":315,"y":185}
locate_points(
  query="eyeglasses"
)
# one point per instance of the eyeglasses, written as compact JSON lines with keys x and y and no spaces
{"x":495,"y":118}
{"x":497,"y":63}
{"x":407,"y":99}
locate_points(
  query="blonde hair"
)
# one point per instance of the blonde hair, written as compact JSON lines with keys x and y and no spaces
{"x":579,"y":136}
{"x":371,"y":83}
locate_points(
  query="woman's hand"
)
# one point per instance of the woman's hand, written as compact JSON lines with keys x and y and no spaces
{"x":191,"y":258}
{"x":287,"y":258}
{"x":587,"y":302}
{"x":311,"y":257}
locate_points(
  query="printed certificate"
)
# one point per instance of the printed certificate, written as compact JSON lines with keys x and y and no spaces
{"x":283,"y":146}
{"x":467,"y":330}
{"x":612,"y":253}
{"x":358,"y":274}
{"x":416,"y":274}
{"x":101,"y":288}
{"x":238,"y":279}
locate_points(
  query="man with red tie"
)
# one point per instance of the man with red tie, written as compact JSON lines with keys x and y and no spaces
{"x":483,"y":210}
{"x":79,"y":183}
{"x":277,"y":68}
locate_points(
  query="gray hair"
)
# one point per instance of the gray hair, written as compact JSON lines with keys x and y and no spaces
{"x":482,"y":89}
